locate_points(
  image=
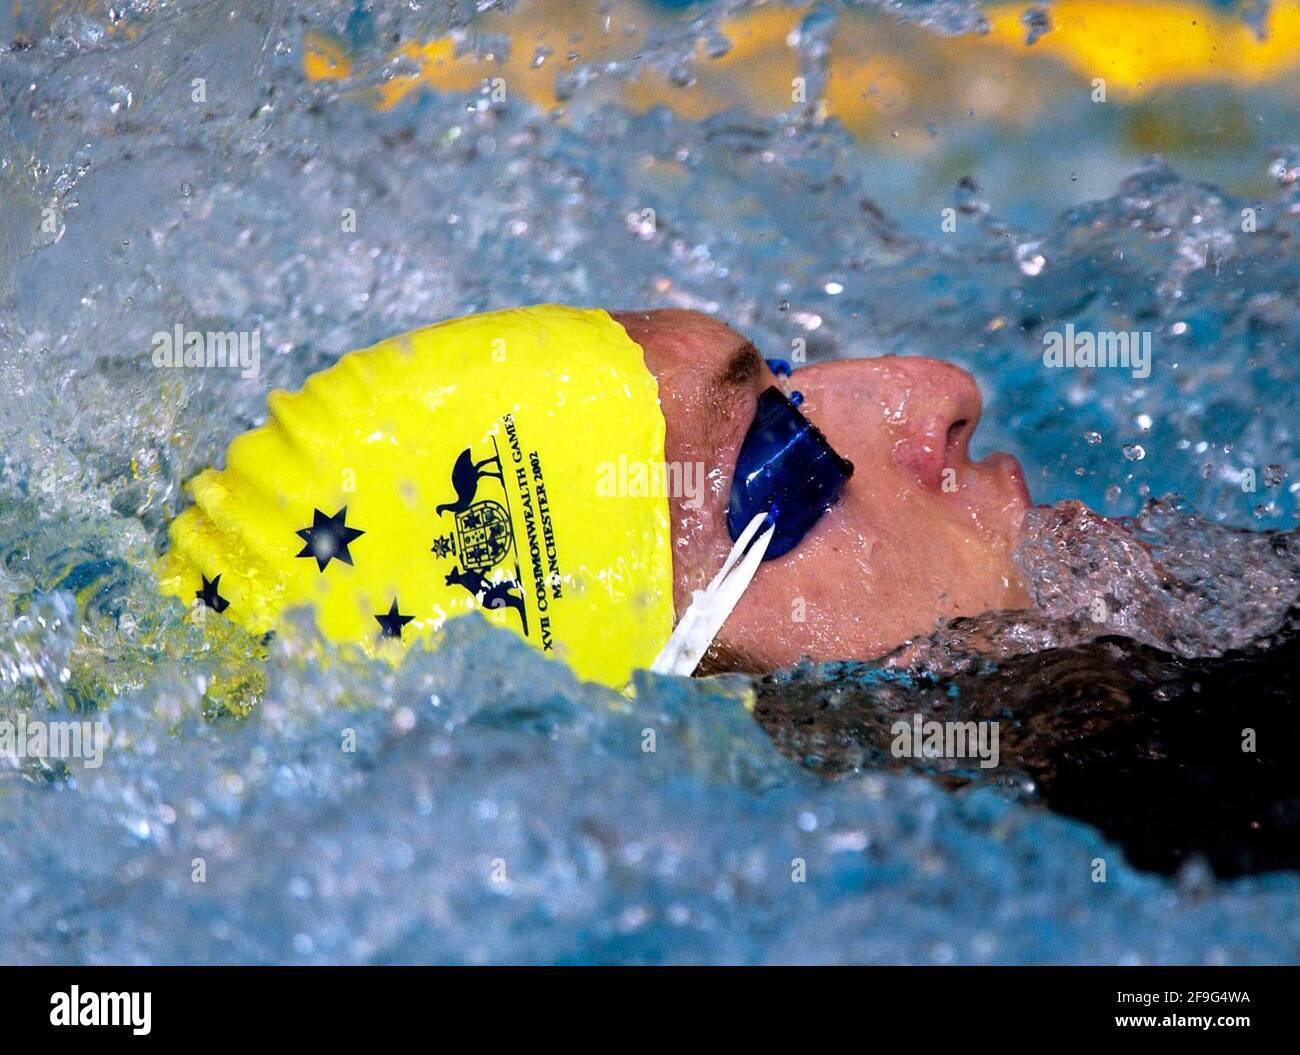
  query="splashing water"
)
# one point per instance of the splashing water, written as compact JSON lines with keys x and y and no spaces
{"x":490,"y":807}
{"x":1162,"y":578}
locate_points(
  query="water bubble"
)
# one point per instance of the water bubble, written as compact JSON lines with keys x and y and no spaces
{"x":1037,"y":21}
{"x":1285,"y":170}
{"x":815,"y":30}
{"x":1029,"y":259}
{"x":717,"y":45}
{"x":121,"y":98}
{"x":1093,"y":438}
{"x":1134,"y":452}
{"x":1274,"y":475}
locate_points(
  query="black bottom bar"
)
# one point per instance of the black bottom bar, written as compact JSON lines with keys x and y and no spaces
{"x":230,"y":1004}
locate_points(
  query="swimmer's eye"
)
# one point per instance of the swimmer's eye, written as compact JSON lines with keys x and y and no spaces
{"x":786,"y":468}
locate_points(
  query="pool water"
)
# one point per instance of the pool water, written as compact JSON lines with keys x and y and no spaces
{"x":275,"y":801}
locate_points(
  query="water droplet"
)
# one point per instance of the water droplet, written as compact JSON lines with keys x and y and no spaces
{"x":1134,"y":452}
{"x":717,"y":45}
{"x":1036,"y":21}
{"x":1093,"y":438}
{"x":1029,"y":259}
{"x":121,"y":98}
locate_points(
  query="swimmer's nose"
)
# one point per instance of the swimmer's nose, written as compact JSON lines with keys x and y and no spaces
{"x":934,"y":408}
{"x":917,"y":413}
{"x":922,"y":411}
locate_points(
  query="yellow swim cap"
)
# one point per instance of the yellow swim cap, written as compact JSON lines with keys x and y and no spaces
{"x":458,"y":468}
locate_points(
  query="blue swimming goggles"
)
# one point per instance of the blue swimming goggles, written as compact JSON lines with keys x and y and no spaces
{"x":787,"y":475}
{"x":787,"y":469}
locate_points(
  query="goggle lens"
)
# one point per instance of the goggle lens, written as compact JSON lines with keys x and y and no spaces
{"x":785,"y":468}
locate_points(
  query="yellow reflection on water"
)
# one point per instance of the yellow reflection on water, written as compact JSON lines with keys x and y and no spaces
{"x":882,"y":74}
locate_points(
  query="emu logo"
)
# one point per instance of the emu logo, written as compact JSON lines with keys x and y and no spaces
{"x":481,"y":537}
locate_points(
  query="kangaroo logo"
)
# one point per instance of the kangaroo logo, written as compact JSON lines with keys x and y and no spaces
{"x":482,"y":537}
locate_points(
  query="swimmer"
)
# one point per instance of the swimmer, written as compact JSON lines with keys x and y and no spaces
{"x":452,"y":470}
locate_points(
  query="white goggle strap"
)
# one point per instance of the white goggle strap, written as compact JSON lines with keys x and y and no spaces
{"x":710,"y":607}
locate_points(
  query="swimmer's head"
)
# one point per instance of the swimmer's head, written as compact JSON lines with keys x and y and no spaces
{"x":589,"y":482}
{"x":919,"y":533}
